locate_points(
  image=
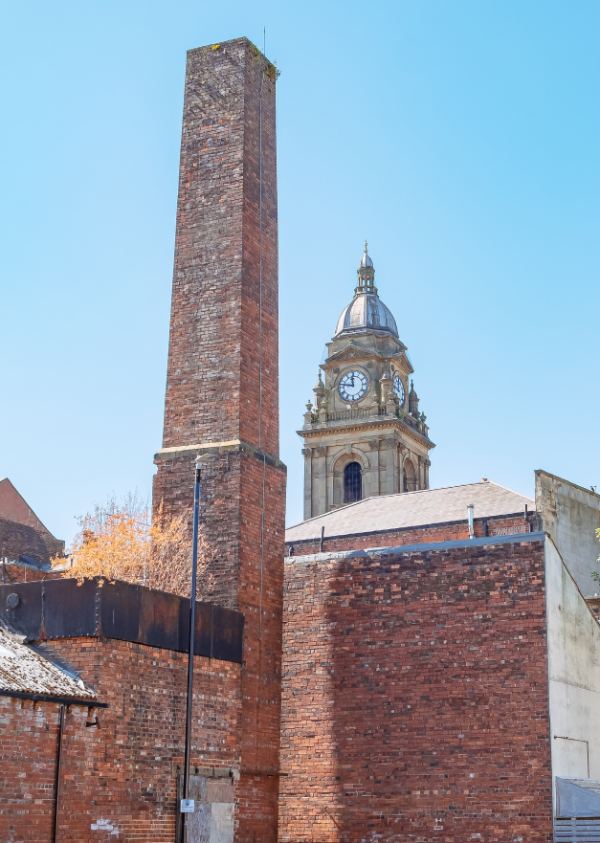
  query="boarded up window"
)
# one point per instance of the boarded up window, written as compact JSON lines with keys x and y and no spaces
{"x":214,"y":814}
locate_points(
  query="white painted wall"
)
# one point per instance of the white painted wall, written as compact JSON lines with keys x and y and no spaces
{"x":571,"y":515}
{"x":573,"y":672}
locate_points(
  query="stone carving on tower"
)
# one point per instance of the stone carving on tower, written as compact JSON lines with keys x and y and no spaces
{"x":364,"y":435}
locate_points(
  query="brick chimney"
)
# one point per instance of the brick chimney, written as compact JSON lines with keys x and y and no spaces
{"x":222,"y":382}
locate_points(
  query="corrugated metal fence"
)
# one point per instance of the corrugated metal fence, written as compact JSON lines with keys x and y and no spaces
{"x":577,"y":831}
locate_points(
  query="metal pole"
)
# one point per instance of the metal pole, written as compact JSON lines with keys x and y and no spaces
{"x":61,"y":725}
{"x":190,"y":684}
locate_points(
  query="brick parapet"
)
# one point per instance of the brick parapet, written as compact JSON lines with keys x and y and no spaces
{"x":415,"y":695}
{"x":447,"y":531}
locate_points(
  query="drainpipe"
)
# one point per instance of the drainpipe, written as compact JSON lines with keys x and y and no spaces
{"x":322,"y":537}
{"x":471,"y":526}
{"x":61,"y":727}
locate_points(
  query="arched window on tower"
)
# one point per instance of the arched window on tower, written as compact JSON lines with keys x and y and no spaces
{"x":352,"y":482}
{"x":410,"y":476}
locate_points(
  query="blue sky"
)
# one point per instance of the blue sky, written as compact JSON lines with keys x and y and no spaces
{"x":461,"y":138}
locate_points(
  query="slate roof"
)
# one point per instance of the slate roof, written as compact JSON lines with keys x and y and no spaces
{"x":413,"y":509}
{"x":24,"y":670}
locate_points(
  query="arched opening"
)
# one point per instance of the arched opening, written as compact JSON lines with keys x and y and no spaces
{"x":410,"y":477}
{"x":352,"y":482}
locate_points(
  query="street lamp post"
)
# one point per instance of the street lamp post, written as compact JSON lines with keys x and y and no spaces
{"x":187,"y":806}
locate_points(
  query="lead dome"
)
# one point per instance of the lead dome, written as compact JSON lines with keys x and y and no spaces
{"x":366,"y":311}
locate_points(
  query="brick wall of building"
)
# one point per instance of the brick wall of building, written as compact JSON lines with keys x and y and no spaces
{"x":450,"y":531}
{"x":222,"y":381}
{"x":415,"y":697}
{"x":16,"y":573}
{"x":18,"y":539}
{"x":122,"y":773}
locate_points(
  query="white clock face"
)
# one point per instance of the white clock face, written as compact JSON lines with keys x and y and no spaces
{"x":353,"y":386}
{"x":399,"y":389}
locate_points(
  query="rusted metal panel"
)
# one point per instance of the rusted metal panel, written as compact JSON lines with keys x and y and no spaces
{"x":228,"y":634}
{"x":159,"y":618}
{"x":119,"y":611}
{"x":55,"y":609}
{"x":70,"y":608}
{"x":23,"y":613}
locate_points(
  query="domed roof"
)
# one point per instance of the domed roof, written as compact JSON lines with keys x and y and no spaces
{"x":366,"y":312}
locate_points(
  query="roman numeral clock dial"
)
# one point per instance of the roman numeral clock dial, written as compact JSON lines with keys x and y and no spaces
{"x":399,"y":390}
{"x":353,"y":386}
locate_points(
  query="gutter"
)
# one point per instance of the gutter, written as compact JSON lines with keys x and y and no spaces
{"x":22,"y":695}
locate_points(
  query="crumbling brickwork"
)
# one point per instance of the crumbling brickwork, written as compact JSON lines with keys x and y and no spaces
{"x":415,"y":696}
{"x":118,"y":780}
{"x":222,"y":382}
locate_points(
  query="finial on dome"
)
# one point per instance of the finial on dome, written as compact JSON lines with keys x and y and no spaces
{"x":365,"y":261}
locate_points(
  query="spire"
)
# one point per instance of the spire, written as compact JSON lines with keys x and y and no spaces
{"x":413,"y":401}
{"x":366,"y":274}
{"x":365,"y":261}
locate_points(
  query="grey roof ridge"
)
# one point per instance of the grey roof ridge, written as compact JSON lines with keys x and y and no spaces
{"x":517,"y":538}
{"x":508,"y":489}
{"x":406,"y":494}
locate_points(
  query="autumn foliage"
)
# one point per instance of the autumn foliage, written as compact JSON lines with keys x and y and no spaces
{"x":118,"y":542}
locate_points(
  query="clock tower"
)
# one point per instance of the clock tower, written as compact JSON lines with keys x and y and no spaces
{"x":364,"y":435}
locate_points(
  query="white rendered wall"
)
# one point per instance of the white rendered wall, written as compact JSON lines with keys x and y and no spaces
{"x":573,"y":672}
{"x":571,"y":515}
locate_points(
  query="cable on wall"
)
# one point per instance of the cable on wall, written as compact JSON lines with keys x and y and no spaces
{"x":260,"y":297}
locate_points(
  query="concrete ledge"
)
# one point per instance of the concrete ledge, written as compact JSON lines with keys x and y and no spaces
{"x":217,"y":448}
{"x":488,"y":541}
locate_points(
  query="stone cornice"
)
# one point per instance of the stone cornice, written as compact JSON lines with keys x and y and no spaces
{"x":217,"y":448}
{"x":368,"y":425}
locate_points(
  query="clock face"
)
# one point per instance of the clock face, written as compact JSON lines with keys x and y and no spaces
{"x":353,"y":386}
{"x":399,"y":389}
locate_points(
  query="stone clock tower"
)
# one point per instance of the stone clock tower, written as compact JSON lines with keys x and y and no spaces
{"x":364,"y":435}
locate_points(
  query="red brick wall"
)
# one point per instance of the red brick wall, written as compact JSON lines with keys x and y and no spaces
{"x":222,"y":381}
{"x":415,"y":697}
{"x":451,"y":531}
{"x":213,"y":366}
{"x":124,"y":771}
{"x":23,"y":573}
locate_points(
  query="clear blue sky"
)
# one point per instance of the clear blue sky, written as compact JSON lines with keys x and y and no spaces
{"x":461,"y":138}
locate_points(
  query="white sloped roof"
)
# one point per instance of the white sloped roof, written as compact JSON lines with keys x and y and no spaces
{"x":413,"y":509}
{"x":24,"y":670}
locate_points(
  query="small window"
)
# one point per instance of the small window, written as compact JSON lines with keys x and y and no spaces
{"x":352,"y":482}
